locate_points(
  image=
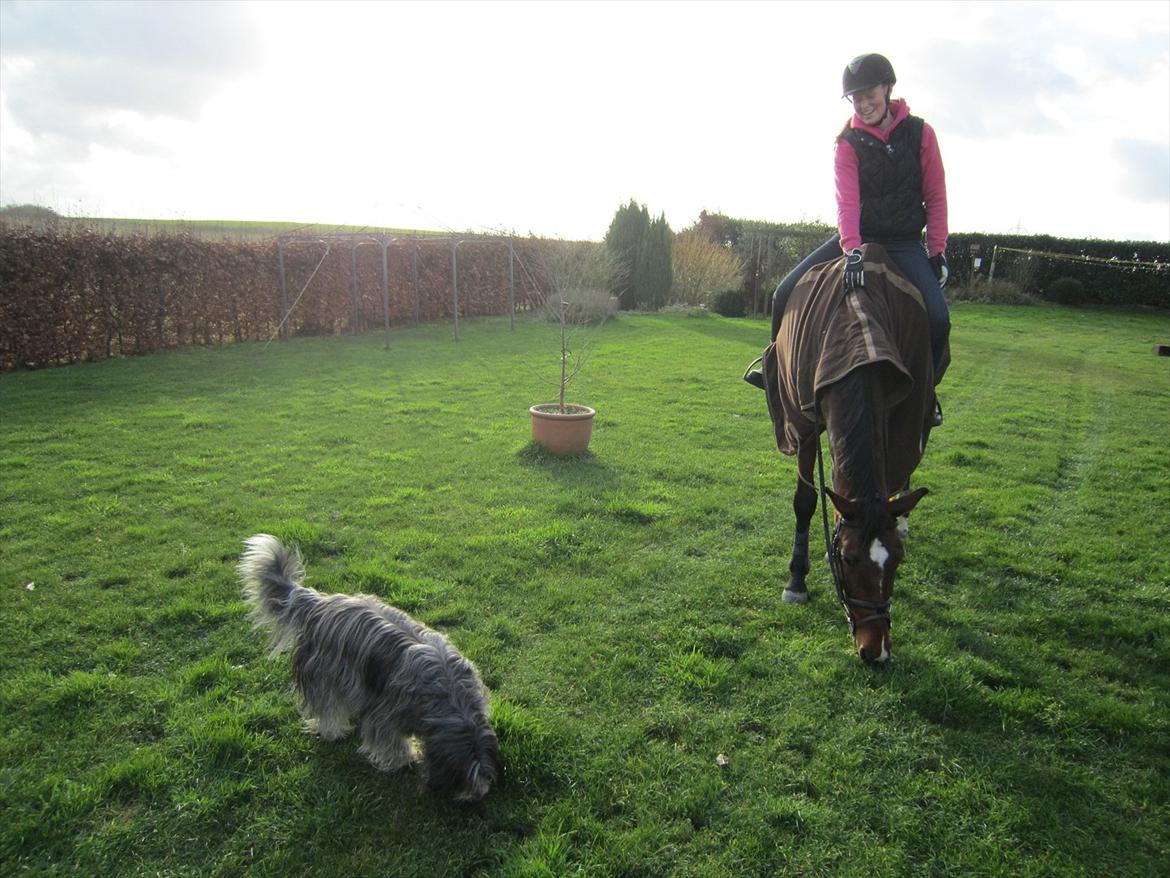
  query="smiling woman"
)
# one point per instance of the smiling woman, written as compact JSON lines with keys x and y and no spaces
{"x":872,"y":105}
{"x":891,"y":191}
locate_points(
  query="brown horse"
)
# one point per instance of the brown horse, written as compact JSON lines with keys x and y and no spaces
{"x":856,"y":364}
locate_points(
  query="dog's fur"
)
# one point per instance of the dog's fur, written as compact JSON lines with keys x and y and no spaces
{"x":357,"y":660}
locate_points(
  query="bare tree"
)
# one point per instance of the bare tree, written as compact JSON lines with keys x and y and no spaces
{"x":578,"y":275}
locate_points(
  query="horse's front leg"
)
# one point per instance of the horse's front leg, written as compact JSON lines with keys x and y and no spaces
{"x":804,"y":504}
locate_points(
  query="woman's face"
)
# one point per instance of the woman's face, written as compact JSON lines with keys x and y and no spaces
{"x":870,"y":104}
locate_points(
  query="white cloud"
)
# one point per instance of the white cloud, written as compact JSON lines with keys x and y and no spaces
{"x":545,"y":117}
{"x":1145,"y":169}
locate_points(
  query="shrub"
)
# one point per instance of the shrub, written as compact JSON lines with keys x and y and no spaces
{"x":592,"y":305}
{"x":701,"y":266}
{"x":29,"y":214}
{"x":1113,"y":272}
{"x":996,"y":292}
{"x":1066,"y":291}
{"x":729,"y":303}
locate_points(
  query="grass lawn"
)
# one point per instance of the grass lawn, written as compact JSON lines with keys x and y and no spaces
{"x":623,"y":607}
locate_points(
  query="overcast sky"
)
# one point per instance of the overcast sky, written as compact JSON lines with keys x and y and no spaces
{"x":1053,"y":118}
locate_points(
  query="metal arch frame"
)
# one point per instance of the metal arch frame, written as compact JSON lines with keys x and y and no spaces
{"x":357,"y":240}
{"x":455,"y":242}
{"x":384,"y":241}
{"x":285,"y":308}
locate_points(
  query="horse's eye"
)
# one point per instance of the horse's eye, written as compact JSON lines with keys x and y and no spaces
{"x":850,"y":561}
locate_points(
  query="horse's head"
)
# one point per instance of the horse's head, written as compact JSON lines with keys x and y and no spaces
{"x":864,"y":556}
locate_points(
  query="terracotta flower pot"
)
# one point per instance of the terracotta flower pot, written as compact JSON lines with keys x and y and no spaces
{"x":562,"y":433}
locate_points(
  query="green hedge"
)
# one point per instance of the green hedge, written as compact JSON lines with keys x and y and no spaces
{"x":1040,"y":274}
{"x":77,"y":294}
{"x":771,"y":250}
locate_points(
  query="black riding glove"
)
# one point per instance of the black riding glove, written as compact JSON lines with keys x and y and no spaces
{"x":854,"y":270}
{"x":941,"y":270}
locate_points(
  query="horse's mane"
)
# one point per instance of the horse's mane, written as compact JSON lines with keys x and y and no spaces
{"x":855,"y":412}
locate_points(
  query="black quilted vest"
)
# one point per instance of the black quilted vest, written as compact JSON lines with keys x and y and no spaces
{"x":891,"y":183}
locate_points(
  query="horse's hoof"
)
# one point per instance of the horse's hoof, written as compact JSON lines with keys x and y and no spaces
{"x":795,"y":597}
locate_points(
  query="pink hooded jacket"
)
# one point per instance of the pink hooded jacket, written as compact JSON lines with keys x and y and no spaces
{"x":934,"y":184}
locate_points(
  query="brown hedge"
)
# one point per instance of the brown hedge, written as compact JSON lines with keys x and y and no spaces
{"x":72,"y":295}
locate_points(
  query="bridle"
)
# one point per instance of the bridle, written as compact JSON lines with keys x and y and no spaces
{"x":880,"y":609}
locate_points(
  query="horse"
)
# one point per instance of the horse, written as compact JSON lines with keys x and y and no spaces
{"x":857,"y":364}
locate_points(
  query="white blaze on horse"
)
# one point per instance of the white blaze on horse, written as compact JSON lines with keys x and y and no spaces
{"x":857,"y":364}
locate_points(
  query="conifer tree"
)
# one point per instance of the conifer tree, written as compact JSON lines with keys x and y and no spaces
{"x":658,"y":256}
{"x":642,"y":252}
{"x":624,"y":242}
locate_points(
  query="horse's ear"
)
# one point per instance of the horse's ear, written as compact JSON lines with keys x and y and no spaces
{"x":902,"y":505}
{"x":847,"y":508}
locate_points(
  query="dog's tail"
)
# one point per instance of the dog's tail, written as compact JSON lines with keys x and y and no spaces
{"x":271,"y":575}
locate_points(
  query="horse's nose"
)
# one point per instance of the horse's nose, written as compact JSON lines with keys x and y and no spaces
{"x":868,"y":655}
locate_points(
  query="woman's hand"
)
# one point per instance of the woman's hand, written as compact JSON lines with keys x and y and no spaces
{"x":854,"y":270}
{"x":941,"y":270}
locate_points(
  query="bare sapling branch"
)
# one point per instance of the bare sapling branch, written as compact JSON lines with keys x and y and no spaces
{"x":579,"y":275}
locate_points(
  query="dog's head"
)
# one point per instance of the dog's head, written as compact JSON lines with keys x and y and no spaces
{"x":462,"y":760}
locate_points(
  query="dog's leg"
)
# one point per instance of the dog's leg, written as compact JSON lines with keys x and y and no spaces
{"x":330,"y":727}
{"x":325,"y":713}
{"x":383,"y":742}
{"x":387,"y":751}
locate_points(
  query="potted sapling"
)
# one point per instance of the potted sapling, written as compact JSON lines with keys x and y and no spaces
{"x":577,"y":276}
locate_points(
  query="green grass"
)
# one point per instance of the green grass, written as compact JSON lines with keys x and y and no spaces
{"x":624,"y":607}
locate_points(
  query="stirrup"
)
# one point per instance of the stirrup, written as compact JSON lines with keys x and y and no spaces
{"x":754,"y":377}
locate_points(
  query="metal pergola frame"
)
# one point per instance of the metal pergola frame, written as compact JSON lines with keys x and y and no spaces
{"x":357,"y":239}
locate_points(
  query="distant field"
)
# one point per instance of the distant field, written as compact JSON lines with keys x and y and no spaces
{"x":623,"y":607}
{"x":246,"y":230}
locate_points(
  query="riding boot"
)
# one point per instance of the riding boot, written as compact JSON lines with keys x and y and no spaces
{"x":754,"y":377}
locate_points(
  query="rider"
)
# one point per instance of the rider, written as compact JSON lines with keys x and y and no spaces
{"x":890,"y":187}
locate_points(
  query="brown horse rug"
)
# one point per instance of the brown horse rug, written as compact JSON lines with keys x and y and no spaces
{"x":827,"y":332}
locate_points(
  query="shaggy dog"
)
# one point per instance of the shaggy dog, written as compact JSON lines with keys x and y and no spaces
{"x":357,"y":660}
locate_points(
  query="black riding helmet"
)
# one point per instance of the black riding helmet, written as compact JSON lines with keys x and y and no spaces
{"x":866,"y":71}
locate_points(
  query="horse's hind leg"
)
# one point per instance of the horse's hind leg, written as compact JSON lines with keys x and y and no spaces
{"x":804,"y":504}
